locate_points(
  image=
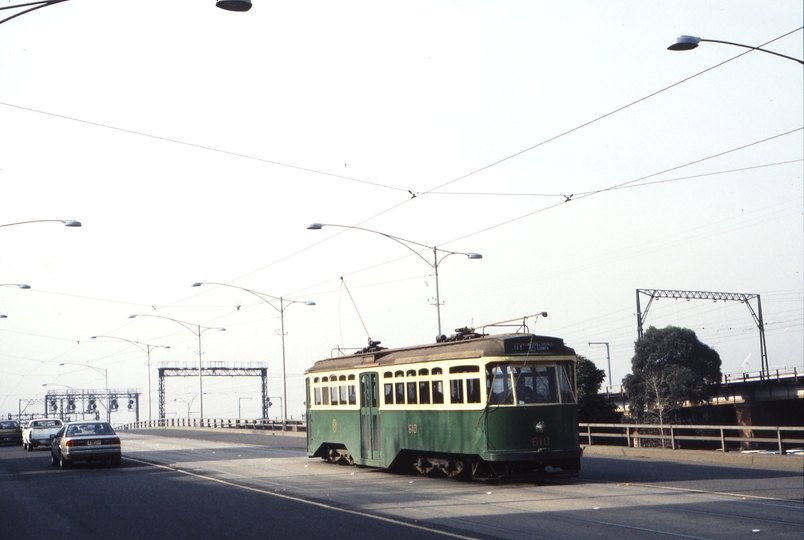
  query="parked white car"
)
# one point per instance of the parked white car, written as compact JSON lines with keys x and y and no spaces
{"x":40,"y":432}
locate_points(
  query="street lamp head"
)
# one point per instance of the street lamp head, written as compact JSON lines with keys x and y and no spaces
{"x":234,"y":5}
{"x":684,"y":43}
{"x":196,"y":284}
{"x":309,"y":303}
{"x":3,"y":316}
{"x":71,"y":223}
{"x":315,"y":227}
{"x":474,"y":255}
{"x":133,"y":316}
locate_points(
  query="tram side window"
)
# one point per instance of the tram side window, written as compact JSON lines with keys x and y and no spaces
{"x":334,"y":394}
{"x":318,"y":396}
{"x":400,"y":393}
{"x":472,"y":390}
{"x":344,"y":399}
{"x":325,"y":395}
{"x":456,"y":391}
{"x":389,"y":394}
{"x":412,"y":393}
{"x":424,"y":392}
{"x":352,"y":395}
{"x":438,"y":392}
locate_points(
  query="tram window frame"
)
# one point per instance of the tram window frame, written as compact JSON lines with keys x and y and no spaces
{"x":438,"y":390}
{"x":473,"y":391}
{"x":411,"y":390}
{"x":424,"y":392}
{"x":456,"y":391}
{"x":499,"y":388}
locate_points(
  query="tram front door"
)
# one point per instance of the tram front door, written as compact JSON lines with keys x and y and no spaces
{"x":369,"y":416}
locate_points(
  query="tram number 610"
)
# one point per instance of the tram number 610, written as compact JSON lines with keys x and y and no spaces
{"x":413,"y":429}
{"x":541,"y":441}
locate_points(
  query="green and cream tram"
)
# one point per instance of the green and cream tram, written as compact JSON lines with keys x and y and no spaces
{"x":479,"y":406}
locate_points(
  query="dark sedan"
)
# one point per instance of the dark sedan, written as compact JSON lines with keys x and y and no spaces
{"x":85,"y":441}
{"x":10,"y":432}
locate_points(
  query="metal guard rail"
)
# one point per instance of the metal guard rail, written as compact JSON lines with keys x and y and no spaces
{"x":779,"y":437}
{"x":220,"y":423}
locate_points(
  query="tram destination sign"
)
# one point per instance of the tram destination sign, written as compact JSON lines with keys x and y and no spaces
{"x":534,"y":345}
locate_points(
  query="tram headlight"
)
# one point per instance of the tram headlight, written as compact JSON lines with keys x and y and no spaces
{"x":541,"y":427}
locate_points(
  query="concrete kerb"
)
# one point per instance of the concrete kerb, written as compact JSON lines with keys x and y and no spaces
{"x":768,"y":461}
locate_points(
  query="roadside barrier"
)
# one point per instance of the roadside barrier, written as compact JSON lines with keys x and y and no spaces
{"x":765,"y":439}
{"x":264,"y":424}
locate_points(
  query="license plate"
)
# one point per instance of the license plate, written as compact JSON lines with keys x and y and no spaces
{"x":92,"y":443}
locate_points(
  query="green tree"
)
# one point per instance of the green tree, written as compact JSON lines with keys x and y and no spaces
{"x":592,"y":405}
{"x":671,"y":367}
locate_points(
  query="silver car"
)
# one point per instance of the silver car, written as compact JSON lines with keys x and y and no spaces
{"x":85,"y":441}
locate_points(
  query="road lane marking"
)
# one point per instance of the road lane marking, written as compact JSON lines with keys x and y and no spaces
{"x":300,"y":500}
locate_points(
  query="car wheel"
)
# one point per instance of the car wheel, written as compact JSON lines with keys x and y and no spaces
{"x":64,"y":463}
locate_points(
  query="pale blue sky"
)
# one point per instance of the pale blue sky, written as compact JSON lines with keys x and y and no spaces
{"x":196,"y":144}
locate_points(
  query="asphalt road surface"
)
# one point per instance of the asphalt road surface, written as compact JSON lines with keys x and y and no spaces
{"x":218,"y":485}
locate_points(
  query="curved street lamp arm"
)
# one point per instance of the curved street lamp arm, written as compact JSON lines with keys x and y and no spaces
{"x":67,"y":222}
{"x":37,"y":5}
{"x":398,"y":240}
{"x":146,"y":349}
{"x":754,"y":48}
{"x":282,"y":301}
{"x":189,"y":326}
{"x":686,"y":43}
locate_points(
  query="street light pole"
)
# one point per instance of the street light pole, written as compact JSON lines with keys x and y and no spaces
{"x":148,"y":364}
{"x":281,"y":310}
{"x":686,"y":43}
{"x":197,"y":332}
{"x":105,"y":375}
{"x":402,"y":241}
{"x":608,"y":356}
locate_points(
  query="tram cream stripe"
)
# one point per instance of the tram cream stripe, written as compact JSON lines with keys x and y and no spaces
{"x":296,"y":499}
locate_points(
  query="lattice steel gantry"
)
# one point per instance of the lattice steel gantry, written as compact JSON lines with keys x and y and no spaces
{"x":217,"y":369}
{"x":745,"y":298}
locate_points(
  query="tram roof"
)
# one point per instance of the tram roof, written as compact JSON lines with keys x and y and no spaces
{"x":495,"y":345}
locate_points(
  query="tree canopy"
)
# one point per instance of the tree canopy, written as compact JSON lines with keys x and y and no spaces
{"x":592,"y":405}
{"x":670,"y":367}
